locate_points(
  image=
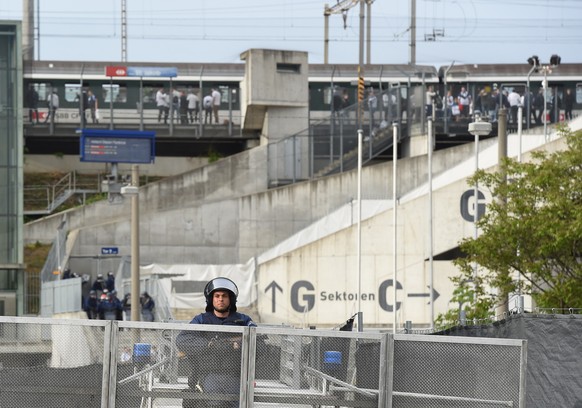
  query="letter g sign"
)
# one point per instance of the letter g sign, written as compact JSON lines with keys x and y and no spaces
{"x":468,"y":204}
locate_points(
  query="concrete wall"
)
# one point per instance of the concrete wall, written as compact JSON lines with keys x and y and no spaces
{"x":275,"y":93}
{"x":224,"y":214}
{"x":309,"y":274}
{"x":163,"y":166}
{"x":265,"y":84}
{"x":191,"y":218}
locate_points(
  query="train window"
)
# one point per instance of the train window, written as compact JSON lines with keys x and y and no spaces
{"x":149,"y":93}
{"x":72,"y":92}
{"x":115,"y":91}
{"x":224,"y":90}
{"x":579,"y":93}
{"x":43,"y":90}
{"x":327,"y":94}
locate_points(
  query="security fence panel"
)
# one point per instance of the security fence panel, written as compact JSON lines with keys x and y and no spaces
{"x":62,"y":296}
{"x":64,"y":369}
{"x":90,"y":363}
{"x":435,"y":372}
{"x":289,"y":367}
{"x":177,"y":365}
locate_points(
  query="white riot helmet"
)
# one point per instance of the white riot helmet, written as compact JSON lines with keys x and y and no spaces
{"x":221,"y":284}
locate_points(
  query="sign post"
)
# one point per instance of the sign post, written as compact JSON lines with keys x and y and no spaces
{"x":117,"y":146}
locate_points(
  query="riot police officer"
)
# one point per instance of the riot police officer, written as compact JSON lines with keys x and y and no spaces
{"x":214,"y":356}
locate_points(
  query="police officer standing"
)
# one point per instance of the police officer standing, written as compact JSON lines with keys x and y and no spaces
{"x":215,"y":357}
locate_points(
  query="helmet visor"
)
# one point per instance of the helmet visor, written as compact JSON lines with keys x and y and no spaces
{"x":220,"y":284}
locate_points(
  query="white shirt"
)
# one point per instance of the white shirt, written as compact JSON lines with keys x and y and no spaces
{"x":464,"y":98}
{"x":514,"y":99}
{"x":192,"y":101}
{"x":207,"y":101}
{"x":161,"y":99}
{"x":54,"y":100}
{"x":216,"y":98}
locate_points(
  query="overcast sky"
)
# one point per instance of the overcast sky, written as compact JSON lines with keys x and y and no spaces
{"x":473,"y":31}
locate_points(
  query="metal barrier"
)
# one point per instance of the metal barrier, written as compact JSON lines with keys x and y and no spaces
{"x":54,"y":262}
{"x":88,"y":363}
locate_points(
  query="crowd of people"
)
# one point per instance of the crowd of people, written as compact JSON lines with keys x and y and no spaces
{"x":488,"y":100}
{"x":186,"y":106}
{"x":103,"y":303}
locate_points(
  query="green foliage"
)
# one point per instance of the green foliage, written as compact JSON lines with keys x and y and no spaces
{"x":213,"y":155}
{"x":531,"y":229}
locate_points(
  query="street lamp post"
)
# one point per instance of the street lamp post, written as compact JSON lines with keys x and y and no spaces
{"x":133,"y":192}
{"x":534,"y":61}
{"x":477,"y":128}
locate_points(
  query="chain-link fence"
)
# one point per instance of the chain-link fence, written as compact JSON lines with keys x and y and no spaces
{"x":77,"y":363}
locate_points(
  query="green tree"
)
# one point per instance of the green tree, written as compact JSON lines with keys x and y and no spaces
{"x":532,"y":228}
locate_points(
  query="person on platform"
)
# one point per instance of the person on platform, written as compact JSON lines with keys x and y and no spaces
{"x":215,"y":357}
{"x":568,"y":104}
{"x":193,"y":106}
{"x":31,"y":99}
{"x":163,"y":105}
{"x":53,"y":106}
{"x":514,"y":99}
{"x":538,"y":105}
{"x":183,"y":108}
{"x":429,"y":101}
{"x":216,"y":99}
{"x":464,"y":100}
{"x":207,"y":105}
{"x":93,"y":105}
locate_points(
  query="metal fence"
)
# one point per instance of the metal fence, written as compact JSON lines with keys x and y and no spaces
{"x":330,"y":145}
{"x":86,"y":363}
{"x":55,"y":260}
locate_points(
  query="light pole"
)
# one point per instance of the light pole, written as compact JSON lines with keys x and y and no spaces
{"x":534,"y":61}
{"x":133,"y":192}
{"x":477,"y":128}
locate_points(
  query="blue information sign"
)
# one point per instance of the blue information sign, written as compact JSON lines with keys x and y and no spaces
{"x":109,"y":251}
{"x":168,"y":72}
{"x":117,"y":146}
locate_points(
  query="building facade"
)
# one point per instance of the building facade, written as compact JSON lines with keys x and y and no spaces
{"x":11,"y":174}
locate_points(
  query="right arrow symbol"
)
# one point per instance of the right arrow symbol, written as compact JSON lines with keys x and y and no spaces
{"x":273,"y":286}
{"x":435,"y":294}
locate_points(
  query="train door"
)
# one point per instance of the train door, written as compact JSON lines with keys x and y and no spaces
{"x":511,"y":97}
{"x":108,"y":97}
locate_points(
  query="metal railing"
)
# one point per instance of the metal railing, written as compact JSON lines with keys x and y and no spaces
{"x":329,"y":145}
{"x":47,"y":198}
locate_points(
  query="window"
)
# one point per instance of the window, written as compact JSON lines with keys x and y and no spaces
{"x":288,"y":68}
{"x":72,"y":92}
{"x":43,"y":90}
{"x":579,"y":93}
{"x":116,"y":91}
